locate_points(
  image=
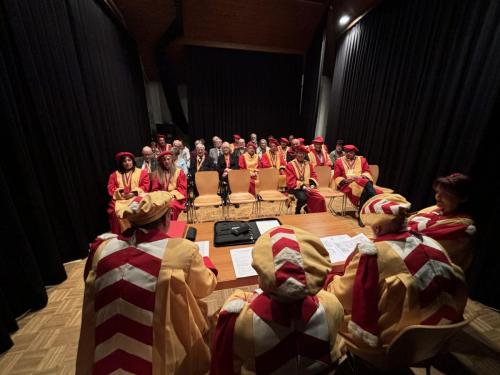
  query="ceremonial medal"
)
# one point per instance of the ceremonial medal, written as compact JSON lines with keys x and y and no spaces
{"x":301,"y":178}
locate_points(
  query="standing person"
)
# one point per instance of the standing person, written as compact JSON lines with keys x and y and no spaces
{"x":338,"y":152}
{"x":126,"y":182}
{"x":301,"y":181}
{"x":147,"y":161}
{"x":215,"y":151}
{"x":449,"y":222}
{"x":318,"y":155}
{"x":142,"y":311}
{"x":173,"y":180}
{"x":262,"y":149}
{"x":291,"y":326}
{"x":401,"y":279}
{"x":353,"y":177}
{"x":162,"y":143}
{"x":273,"y":159}
{"x":250,"y":161}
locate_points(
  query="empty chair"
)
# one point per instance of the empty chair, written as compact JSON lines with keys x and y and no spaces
{"x":207,"y":183}
{"x":415,"y":345}
{"x":374,"y":169}
{"x":268,"y":188}
{"x":324,"y":178}
{"x":239,"y":179}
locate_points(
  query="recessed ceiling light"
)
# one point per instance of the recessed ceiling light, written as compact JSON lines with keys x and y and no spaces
{"x":344,"y":20}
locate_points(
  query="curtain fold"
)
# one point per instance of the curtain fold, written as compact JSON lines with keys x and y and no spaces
{"x":416,"y":86}
{"x":72,"y":95}
{"x":233,"y":91}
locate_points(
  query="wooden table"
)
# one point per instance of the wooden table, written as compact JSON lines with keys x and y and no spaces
{"x":321,"y":224}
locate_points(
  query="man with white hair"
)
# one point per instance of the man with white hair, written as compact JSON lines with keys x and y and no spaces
{"x":202,"y":162}
{"x":241,"y":148}
{"x":147,"y":161}
{"x":216,"y":151}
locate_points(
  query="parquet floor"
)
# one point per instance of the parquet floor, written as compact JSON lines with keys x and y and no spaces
{"x":47,"y":340}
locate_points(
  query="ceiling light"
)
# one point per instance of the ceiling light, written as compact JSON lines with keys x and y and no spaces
{"x":344,"y":20}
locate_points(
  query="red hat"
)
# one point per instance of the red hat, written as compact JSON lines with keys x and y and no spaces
{"x":251,"y":144}
{"x":164,"y":153}
{"x":302,"y":148}
{"x":236,"y":136}
{"x":119,"y":155}
{"x":351,"y":148}
{"x":273,"y":141}
{"x":283,"y":139}
{"x":160,"y":136}
{"x":319,"y":139}
{"x":301,"y":140}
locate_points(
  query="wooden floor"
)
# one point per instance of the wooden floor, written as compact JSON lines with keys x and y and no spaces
{"x":47,"y":340}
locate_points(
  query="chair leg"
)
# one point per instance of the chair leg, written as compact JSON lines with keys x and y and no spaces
{"x":428,"y":370}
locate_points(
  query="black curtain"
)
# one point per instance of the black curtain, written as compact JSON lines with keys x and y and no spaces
{"x":233,"y":91}
{"x":416,"y":86}
{"x":72,"y":95}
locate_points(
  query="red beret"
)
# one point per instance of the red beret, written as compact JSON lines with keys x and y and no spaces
{"x":319,"y":139}
{"x":273,"y":141}
{"x":302,"y":148}
{"x":119,"y":155}
{"x":236,"y":136}
{"x":164,"y":153}
{"x":301,"y":140}
{"x":351,"y":148}
{"x":283,"y":139}
{"x":251,"y":144}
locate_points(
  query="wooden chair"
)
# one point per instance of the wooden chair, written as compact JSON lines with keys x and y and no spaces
{"x":375,"y":170}
{"x":269,"y":188}
{"x":414,"y":346}
{"x":239,"y":180}
{"x":207,"y":183}
{"x":324,"y":178}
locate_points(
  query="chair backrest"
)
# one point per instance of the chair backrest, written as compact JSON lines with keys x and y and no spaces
{"x":324,"y":173}
{"x":374,"y":169}
{"x":207,"y":182}
{"x":419,"y":343}
{"x":239,"y":180}
{"x":268,"y":179}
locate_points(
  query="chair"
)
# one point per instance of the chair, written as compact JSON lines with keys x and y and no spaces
{"x":268,"y":188}
{"x":375,"y":170}
{"x":413,"y":346}
{"x":207,"y":183}
{"x":324,"y":174}
{"x":239,"y":180}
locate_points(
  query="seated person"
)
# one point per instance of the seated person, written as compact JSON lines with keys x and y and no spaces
{"x":291,"y":325}
{"x":126,"y":182}
{"x":401,"y":279}
{"x":318,"y":153}
{"x":178,"y":161}
{"x":201,"y":162}
{"x":241,"y":148}
{"x":338,"y":152}
{"x":283,"y":149}
{"x":250,"y":161}
{"x":162,"y":143}
{"x":295,"y":144}
{"x":172,"y":179}
{"x":301,"y":181}
{"x":449,"y":222}
{"x":353,"y":177}
{"x":142,"y":312}
{"x":273,"y":159}
{"x":233,"y":146}
{"x":147,"y":161}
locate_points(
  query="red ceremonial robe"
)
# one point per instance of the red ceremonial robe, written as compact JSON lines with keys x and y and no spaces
{"x":296,"y":178}
{"x":123,"y":183}
{"x":357,"y":170}
{"x":177,"y":185}
{"x":319,"y":158}
{"x":251,"y":163}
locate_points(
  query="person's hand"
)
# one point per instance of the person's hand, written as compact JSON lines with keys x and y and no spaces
{"x":307,"y":188}
{"x":347,"y":181}
{"x":224,"y":174}
{"x":128,"y":195}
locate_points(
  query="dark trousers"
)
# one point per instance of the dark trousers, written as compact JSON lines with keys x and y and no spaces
{"x":301,"y":197}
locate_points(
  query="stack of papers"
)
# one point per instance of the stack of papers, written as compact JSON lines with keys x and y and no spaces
{"x":265,"y":225}
{"x":203,"y":247}
{"x":242,"y":262}
{"x":340,"y":247}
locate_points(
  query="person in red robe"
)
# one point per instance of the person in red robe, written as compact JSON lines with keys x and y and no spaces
{"x":162,"y":143}
{"x":301,"y":180}
{"x":318,"y":154}
{"x":283,"y":149}
{"x":274,"y":159}
{"x":126,"y":182}
{"x":353,"y":177}
{"x":172,"y":179}
{"x":234,"y":145}
{"x":250,"y":161}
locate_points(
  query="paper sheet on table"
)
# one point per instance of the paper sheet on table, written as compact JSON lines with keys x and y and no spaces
{"x":242,"y":262}
{"x":203,"y":247}
{"x":340,"y":247}
{"x":265,"y":225}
